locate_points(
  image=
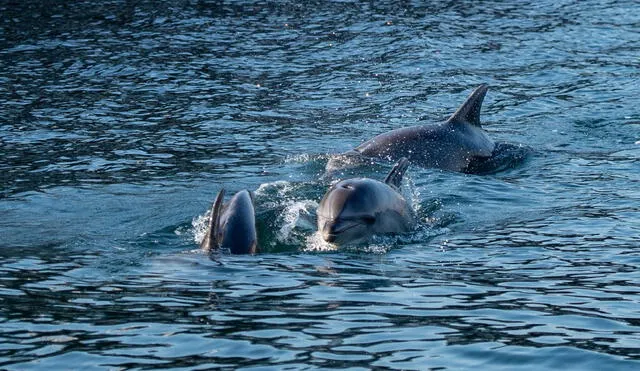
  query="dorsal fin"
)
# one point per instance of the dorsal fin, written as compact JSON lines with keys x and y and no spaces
{"x":395,"y":175}
{"x":469,"y":111}
{"x":210,"y":240}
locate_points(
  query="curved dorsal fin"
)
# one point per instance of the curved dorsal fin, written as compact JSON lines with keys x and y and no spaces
{"x":210,"y":240}
{"x":395,"y":175}
{"x":469,"y":111}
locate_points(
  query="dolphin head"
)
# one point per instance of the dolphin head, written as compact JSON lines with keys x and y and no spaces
{"x":348,"y":212}
{"x":236,"y":228}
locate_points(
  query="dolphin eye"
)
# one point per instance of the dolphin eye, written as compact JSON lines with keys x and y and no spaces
{"x":369,"y":219}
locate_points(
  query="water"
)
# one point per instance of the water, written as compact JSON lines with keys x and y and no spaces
{"x":120,"y":122}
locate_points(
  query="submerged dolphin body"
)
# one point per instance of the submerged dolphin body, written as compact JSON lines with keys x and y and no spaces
{"x":353,"y":210}
{"x":454,"y":145}
{"x":232,"y":225}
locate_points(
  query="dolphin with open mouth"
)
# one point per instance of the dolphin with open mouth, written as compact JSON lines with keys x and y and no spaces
{"x":353,"y":210}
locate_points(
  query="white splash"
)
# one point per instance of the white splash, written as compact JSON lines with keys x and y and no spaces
{"x":281,"y":186}
{"x":411,"y":193}
{"x":296,"y":215}
{"x":301,"y":158}
{"x":199,"y":224}
{"x":315,"y":243}
{"x":378,"y":245}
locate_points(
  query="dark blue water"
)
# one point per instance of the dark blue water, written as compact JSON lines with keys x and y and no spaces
{"x":121,"y":120}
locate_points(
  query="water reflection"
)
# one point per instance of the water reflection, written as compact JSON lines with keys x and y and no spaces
{"x":333,"y":309}
{"x":121,"y":120}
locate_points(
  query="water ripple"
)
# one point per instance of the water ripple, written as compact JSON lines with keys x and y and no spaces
{"x":121,"y":120}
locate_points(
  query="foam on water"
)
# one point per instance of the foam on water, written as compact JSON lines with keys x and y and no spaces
{"x":199,"y":226}
{"x":315,"y":243}
{"x":275,"y":190}
{"x":298,"y":216}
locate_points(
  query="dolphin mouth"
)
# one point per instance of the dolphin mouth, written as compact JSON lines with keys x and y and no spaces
{"x":331,"y":235}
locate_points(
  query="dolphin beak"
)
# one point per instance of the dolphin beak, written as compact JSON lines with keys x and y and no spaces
{"x":329,"y":237}
{"x":333,"y":229}
{"x":328,"y":231}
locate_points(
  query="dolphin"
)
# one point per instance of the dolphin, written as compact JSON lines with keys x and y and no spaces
{"x":353,"y":210}
{"x":454,"y":145}
{"x":232,"y":225}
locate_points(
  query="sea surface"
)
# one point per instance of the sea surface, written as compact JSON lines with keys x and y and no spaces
{"x":121,"y":120}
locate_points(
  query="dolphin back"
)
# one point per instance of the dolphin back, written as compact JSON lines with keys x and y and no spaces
{"x":232,"y":225}
{"x":237,"y":225}
{"x":394,"y":178}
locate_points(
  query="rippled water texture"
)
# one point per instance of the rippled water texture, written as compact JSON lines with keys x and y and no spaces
{"x":121,"y":120}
